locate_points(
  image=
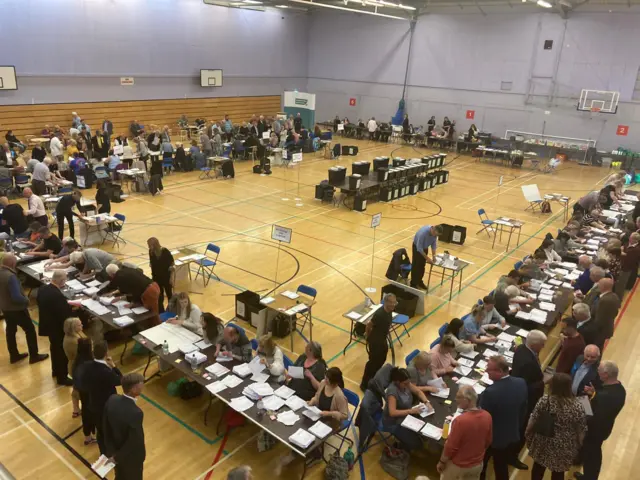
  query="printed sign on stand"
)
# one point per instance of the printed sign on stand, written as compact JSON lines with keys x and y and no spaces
{"x":340,"y":127}
{"x":266,"y":135}
{"x":376,"y":219}
{"x":281,"y":234}
{"x":296,"y":157}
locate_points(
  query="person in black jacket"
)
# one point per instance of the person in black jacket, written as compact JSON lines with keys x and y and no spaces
{"x":162,"y":267}
{"x":377,"y":334}
{"x":64,"y":211}
{"x":526,"y":364}
{"x":13,"y":217}
{"x":181,"y":159}
{"x":123,"y":430}
{"x":297,"y":123}
{"x":431,"y":124}
{"x":406,"y":129}
{"x":84,"y":358}
{"x":100,"y":379}
{"x":38,"y":152}
{"x":506,"y":401}
{"x":103,"y":198}
{"x":53,"y":310}
{"x":606,"y":406}
{"x":99,"y":145}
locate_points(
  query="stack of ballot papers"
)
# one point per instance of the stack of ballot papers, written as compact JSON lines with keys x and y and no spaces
{"x":555,"y":282}
{"x":314,"y":413}
{"x":482,"y":364}
{"x":466,"y":362}
{"x":523,"y":315}
{"x":462,"y":370}
{"x":538,"y":316}
{"x":217,"y":369}
{"x":266,"y":300}
{"x":501,"y":344}
{"x":260,"y":389}
{"x":273,"y":403}
{"x":139,"y":310}
{"x":188,"y":348}
{"x":240,"y":404}
{"x":320,"y":430}
{"x":199,"y":357}
{"x":105,"y":300}
{"x":431,"y":431}
{"x":202,"y":344}
{"x":466,"y":381}
{"x":103,"y":466}
{"x":123,"y":321}
{"x":95,"y":306}
{"x":545,"y":298}
{"x":426,"y":409}
{"x":288,"y":418}
{"x":522,"y":333}
{"x":505,"y":337}
{"x":223,"y":358}
{"x":216,"y":387}
{"x":412,"y":423}
{"x":549,"y":307}
{"x":302,"y":438}
{"x":259,"y":377}
{"x":289,"y":294}
{"x":353,"y":315}
{"x":301,"y":307}
{"x":489,"y":353}
{"x":232,"y":381}
{"x":295,"y":403}
{"x":284,"y":392}
{"x":471,"y":354}
{"x":242,"y":370}
{"x":442,"y":393}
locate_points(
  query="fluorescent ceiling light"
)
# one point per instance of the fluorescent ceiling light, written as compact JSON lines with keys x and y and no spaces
{"x":543,"y":3}
{"x":253,"y":2}
{"x":282,"y":6}
{"x":382,"y":3}
{"x":335,"y":7}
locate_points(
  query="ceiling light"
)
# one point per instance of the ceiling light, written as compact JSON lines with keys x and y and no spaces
{"x":543,"y":3}
{"x":253,"y":2}
{"x":335,"y":7}
{"x":282,"y":6}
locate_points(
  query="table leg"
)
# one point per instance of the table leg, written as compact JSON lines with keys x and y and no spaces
{"x":310,"y":325}
{"x":509,"y":239}
{"x":460,"y":282}
{"x":495,"y":235}
{"x":126,"y":342}
{"x":206,"y":412}
{"x":453,"y":279}
{"x":351,"y":333}
{"x":519,"y":232}
{"x":144,"y":374}
{"x":429,"y":280}
{"x":442,"y":277}
{"x":291,"y":329}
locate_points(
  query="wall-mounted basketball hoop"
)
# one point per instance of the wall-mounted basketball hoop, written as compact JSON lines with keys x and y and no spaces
{"x":599,"y":101}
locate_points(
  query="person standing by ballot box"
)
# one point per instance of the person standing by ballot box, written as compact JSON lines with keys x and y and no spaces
{"x":377,"y":333}
{"x":426,"y":237}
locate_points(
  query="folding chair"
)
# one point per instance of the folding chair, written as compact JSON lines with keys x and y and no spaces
{"x":114,"y":230}
{"x":441,"y":332}
{"x":354,"y":401}
{"x":518,"y":265}
{"x":227,"y":151}
{"x":101,"y":173}
{"x":22,"y":182}
{"x":167,"y":165}
{"x":254,"y":344}
{"x":205,"y":172}
{"x":370,"y":423}
{"x":311,"y":293}
{"x":6,"y":185}
{"x":207,"y":264}
{"x":287,"y":361}
{"x":399,"y":321}
{"x":64,"y":190}
{"x":411,"y":356}
{"x":485,"y":222}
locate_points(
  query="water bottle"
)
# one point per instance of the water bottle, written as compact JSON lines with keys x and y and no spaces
{"x":194,"y":362}
{"x":349,"y":457}
{"x":9,"y":246}
{"x":165,"y":348}
{"x":445,"y":428}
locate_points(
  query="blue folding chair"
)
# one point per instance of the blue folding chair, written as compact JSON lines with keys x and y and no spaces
{"x":411,"y":356}
{"x":22,"y":181}
{"x":370,"y":424}
{"x":167,"y":164}
{"x":441,"y":331}
{"x":254,"y":344}
{"x":206,"y":265}
{"x":101,"y":173}
{"x":64,"y":190}
{"x":398,"y":322}
{"x":287,"y":361}
{"x":311,"y":293}
{"x":166,"y":316}
{"x":354,"y":401}
{"x":518,"y":265}
{"x":227,"y":151}
{"x":485,"y":222}
{"x":114,"y":230}
{"x":6,"y":185}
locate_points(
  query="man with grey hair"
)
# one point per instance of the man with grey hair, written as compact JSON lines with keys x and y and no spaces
{"x":606,"y":406}
{"x":377,"y":335}
{"x":526,"y":365}
{"x":471,"y":433}
{"x":584,"y":379}
{"x":240,"y":473}
{"x":123,"y":432}
{"x":586,"y":327}
{"x":595,"y":275}
{"x":53,"y":310}
{"x":584,"y":283}
{"x":604,"y":311}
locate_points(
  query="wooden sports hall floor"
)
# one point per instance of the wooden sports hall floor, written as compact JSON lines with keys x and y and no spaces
{"x":331,"y":250}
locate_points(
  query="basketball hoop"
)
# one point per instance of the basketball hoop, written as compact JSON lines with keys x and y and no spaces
{"x":595,"y":110}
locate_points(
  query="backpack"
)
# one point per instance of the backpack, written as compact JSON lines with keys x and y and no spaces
{"x":189,"y":390}
{"x":281,"y":327}
{"x":545,"y":207}
{"x":337,"y":468}
{"x":395,"y":462}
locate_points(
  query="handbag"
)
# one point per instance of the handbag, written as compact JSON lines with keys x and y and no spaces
{"x":545,"y":424}
{"x":395,"y":462}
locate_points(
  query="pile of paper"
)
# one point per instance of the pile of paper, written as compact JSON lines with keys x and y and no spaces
{"x":466,"y":362}
{"x":431,"y":431}
{"x":426,"y":409}
{"x":466,"y":381}
{"x":216,"y":387}
{"x":462,"y":370}
{"x":482,"y":364}
{"x":75,"y":285}
{"x":320,"y":430}
{"x":295,"y":403}
{"x":231,"y":380}
{"x":123,"y":321}
{"x":504,"y":336}
{"x":288,"y":418}
{"x":314,"y":413}
{"x":538,"y":316}
{"x":260,"y":377}
{"x":522,"y":333}
{"x":217,"y":369}
{"x":302,"y":438}
{"x":289,"y":294}
{"x":139,"y":310}
{"x":284,"y":392}
{"x":273,"y":403}
{"x":240,"y":404}
{"x":549,"y":307}
{"x":242,"y":370}
{"x":471,"y":354}
{"x":412,"y":423}
{"x":266,"y":300}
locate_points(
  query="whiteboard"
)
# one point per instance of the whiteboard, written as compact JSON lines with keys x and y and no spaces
{"x":531,"y":193}
{"x":8,"y":78}
{"x":210,"y":78}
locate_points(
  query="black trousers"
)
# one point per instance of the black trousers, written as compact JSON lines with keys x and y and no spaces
{"x":88,"y":424}
{"x":129,"y":472}
{"x":537,"y":473}
{"x":418,"y":264}
{"x":20,"y":319}
{"x":97,"y":421}
{"x":62,"y":216}
{"x":38,"y":187}
{"x":377,"y":358}
{"x":165,"y":287}
{"x":59,"y":361}
{"x":591,"y":457}
{"x":501,"y":459}
{"x":43,"y":220}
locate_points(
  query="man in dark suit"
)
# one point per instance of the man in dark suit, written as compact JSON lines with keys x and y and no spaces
{"x":100,"y":145}
{"x":586,"y":326}
{"x":526,"y":365}
{"x":123,"y":432}
{"x":101,"y":379}
{"x":506,"y":401}
{"x":606,"y":406}
{"x":54,"y":309}
{"x":584,"y":374}
{"x":107,"y":128}
{"x":86,"y":138}
{"x":604,"y":311}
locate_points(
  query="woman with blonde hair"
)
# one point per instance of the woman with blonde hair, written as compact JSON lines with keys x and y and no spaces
{"x":271,"y":356}
{"x":420,"y":372}
{"x":72,"y":333}
{"x":187,"y":314}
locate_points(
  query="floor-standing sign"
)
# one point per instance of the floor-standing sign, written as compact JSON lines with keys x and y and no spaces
{"x":280,"y":234}
{"x":375,"y":221}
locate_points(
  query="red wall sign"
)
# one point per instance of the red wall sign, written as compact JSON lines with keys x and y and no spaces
{"x":471,"y":114}
{"x":622,"y":130}
{"x":352,"y":102}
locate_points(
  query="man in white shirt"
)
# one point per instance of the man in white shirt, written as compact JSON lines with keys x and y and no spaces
{"x":40,"y":176}
{"x":36,"y":207}
{"x":372,"y":126}
{"x":57,"y":148}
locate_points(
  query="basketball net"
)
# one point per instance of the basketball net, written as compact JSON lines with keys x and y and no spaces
{"x":595,"y":110}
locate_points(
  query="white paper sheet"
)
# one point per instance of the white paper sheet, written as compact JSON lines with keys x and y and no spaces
{"x":302,"y":438}
{"x":273,"y":402}
{"x":295,"y":403}
{"x":320,"y":430}
{"x":284,"y":392}
{"x":431,"y":431}
{"x":216,"y":387}
{"x":412,"y":423}
{"x":296,"y":372}
{"x":240,"y":404}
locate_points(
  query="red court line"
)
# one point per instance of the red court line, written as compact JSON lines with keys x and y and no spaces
{"x":624,"y":309}
{"x":219,"y":454}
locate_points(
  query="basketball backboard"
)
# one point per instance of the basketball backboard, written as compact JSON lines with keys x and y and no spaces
{"x":598,"y":101}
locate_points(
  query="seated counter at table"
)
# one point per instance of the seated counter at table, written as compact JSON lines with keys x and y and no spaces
{"x":187,"y":314}
{"x":473,"y":329}
{"x":48,"y":244}
{"x":271,"y":356}
{"x":314,"y":368}
{"x":421,"y":374}
{"x":235,"y":344}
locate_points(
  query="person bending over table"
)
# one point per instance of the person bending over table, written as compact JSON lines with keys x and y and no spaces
{"x":212,"y":328}
{"x":235,"y":344}
{"x":492,"y":318}
{"x":420,"y":372}
{"x":64,"y":211}
{"x":532,"y":267}
{"x":399,"y":404}
{"x":61,"y":260}
{"x":162,"y":268}
{"x":91,"y":262}
{"x":13,"y":216}
{"x":136,"y":287}
{"x":333,"y":405}
{"x":271,"y":356}
{"x":377,"y":334}
{"x":314,"y":371}
{"x":508,"y":301}
{"x":453,"y":330}
{"x":514,"y":277}
{"x":425,"y":238}
{"x":442,"y":361}
{"x":49,"y":244}
{"x":186,"y":313}
{"x":473,"y":329}
{"x":35,"y":207}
